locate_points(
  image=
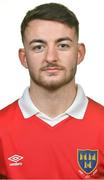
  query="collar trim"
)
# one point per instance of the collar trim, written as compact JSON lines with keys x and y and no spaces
{"x":76,"y":110}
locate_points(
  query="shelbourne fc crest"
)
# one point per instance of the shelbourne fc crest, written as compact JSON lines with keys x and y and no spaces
{"x":87,"y":160}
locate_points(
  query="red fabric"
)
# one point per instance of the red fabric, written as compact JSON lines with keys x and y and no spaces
{"x":50,"y":152}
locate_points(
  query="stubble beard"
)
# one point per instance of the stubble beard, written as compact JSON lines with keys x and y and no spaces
{"x":53,"y":85}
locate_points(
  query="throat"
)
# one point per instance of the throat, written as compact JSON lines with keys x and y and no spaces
{"x":53,"y":104}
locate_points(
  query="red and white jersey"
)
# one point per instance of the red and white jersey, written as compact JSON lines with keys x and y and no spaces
{"x":71,"y":149}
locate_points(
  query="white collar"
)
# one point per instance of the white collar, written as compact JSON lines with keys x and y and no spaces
{"x":76,"y":110}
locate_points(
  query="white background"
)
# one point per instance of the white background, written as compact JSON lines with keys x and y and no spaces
{"x":14,"y":78}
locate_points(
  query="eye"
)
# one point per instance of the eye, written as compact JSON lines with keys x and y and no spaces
{"x":63,"y":46}
{"x":38,"y":48}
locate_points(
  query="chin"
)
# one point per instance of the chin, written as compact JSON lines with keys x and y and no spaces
{"x":53,"y":85}
{"x":52,"y":82}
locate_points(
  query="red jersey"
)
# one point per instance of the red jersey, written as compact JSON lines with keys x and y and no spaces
{"x":32,"y":149}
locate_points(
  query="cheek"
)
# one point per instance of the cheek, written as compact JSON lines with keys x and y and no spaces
{"x":32,"y":65}
{"x":33,"y":61}
{"x":69,"y":59}
{"x":71,"y":54}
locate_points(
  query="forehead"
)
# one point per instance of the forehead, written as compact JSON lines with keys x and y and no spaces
{"x":48,"y":30}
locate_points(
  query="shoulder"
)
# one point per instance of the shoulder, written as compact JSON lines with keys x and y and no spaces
{"x":95,"y":109}
{"x":96,"y":105}
{"x":9,"y":118}
{"x":8,"y":111}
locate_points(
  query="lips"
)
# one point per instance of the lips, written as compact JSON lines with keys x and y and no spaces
{"x":52,"y":68}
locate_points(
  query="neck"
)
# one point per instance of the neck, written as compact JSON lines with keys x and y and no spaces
{"x":53,"y":103}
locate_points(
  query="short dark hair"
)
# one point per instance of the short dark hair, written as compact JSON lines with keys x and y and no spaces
{"x":51,"y":11}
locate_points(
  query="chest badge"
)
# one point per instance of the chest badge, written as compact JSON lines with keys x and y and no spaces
{"x":87,"y":160}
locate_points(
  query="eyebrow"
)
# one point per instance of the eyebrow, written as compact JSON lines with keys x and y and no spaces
{"x":36,"y":41}
{"x":57,"y":41}
{"x":64,"y":39}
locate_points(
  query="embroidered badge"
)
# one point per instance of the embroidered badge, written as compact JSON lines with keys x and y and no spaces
{"x":87,"y":160}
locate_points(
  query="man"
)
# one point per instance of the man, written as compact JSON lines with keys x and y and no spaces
{"x":53,"y":131}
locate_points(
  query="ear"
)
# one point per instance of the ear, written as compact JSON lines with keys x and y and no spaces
{"x":22,"y":57}
{"x":81,"y":52}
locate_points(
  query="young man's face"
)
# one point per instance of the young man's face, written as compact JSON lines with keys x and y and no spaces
{"x":51,"y":53}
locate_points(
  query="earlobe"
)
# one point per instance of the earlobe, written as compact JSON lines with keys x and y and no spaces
{"x":81,"y":52}
{"x":22,"y":57}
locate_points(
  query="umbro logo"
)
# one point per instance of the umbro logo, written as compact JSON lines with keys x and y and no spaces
{"x":15,"y":160}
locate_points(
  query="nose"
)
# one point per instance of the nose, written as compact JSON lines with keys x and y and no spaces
{"x":51,"y":54}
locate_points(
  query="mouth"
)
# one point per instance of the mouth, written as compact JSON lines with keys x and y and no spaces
{"x":52,"y":68}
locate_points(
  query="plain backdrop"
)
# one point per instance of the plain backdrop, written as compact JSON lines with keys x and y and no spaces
{"x":90,"y":74}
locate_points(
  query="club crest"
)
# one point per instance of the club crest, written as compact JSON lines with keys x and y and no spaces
{"x":87,"y":160}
